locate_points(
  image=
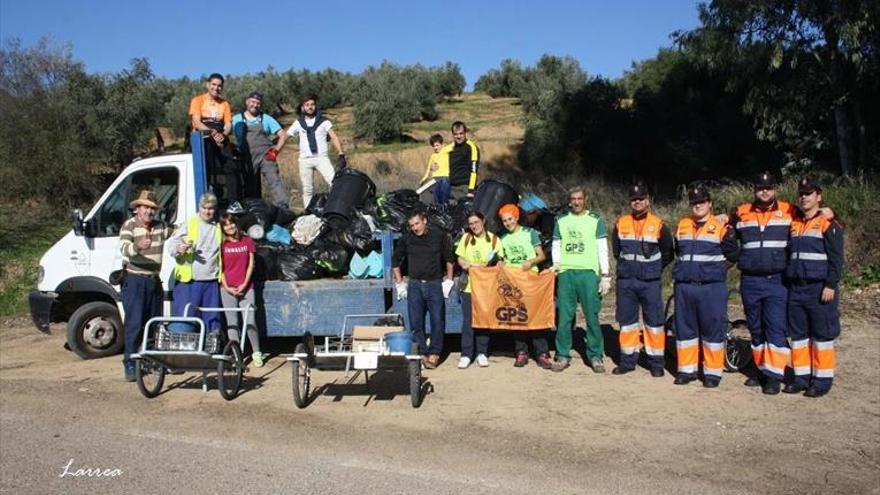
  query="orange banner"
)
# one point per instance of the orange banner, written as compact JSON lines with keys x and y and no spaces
{"x":512,"y":299}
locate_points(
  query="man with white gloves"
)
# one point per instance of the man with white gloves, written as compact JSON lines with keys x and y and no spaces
{"x":427,"y":252}
{"x":580,"y":255}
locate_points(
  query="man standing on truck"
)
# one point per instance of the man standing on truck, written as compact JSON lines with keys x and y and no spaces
{"x":427,"y":251}
{"x":313,"y":130}
{"x":211,"y":115}
{"x":196,"y":251}
{"x":140,"y":240}
{"x":464,"y":158}
{"x":254,"y":134}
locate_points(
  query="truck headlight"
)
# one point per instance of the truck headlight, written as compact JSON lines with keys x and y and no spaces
{"x":40,"y":273}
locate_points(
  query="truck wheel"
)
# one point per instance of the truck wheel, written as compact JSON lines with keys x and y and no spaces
{"x":95,"y":330}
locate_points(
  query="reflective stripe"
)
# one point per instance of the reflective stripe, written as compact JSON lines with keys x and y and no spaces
{"x":809,"y":256}
{"x":640,"y":258}
{"x":758,"y":347}
{"x":752,"y":245}
{"x":690,"y":368}
{"x":780,"y":350}
{"x":823,"y":373}
{"x":626,"y":237}
{"x":708,"y":238}
{"x":778,"y":221}
{"x":802,"y":370}
{"x":814,"y":234}
{"x":775,"y":244}
{"x":683,"y":344}
{"x":707,"y":258}
{"x":767,"y":367}
{"x":824,"y":345}
{"x":750,"y":223}
{"x":629,"y":350}
{"x":657,"y":330}
{"x":797,"y":344}
{"x":714,"y":345}
{"x":653,"y":352}
{"x":632,"y":327}
{"x":712,"y":371}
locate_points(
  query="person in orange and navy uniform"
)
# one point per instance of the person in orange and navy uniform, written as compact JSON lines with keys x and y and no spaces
{"x":815,"y":265}
{"x":762,"y":229}
{"x":704,"y":245}
{"x":642,"y":245}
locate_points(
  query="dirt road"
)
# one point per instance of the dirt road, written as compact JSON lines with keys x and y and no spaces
{"x":494,"y":430}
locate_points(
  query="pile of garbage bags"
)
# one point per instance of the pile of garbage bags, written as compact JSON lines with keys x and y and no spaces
{"x":334,"y":236}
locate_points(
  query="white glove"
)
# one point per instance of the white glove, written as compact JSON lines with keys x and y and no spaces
{"x":447,"y":287}
{"x":401,"y":290}
{"x":605,"y":285}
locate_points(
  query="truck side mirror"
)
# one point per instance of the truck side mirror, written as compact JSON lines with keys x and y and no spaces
{"x":78,"y":224}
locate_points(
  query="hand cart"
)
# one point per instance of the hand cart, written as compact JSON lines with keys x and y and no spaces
{"x":356,"y":348}
{"x":164,"y":351}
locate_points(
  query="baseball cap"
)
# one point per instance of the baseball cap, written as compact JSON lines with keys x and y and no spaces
{"x":807,"y":185}
{"x":698,"y":194}
{"x":638,"y":190}
{"x":765,"y":179}
{"x":255,"y":95}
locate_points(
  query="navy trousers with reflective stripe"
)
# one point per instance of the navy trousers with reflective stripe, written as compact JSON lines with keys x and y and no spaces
{"x":811,"y":319}
{"x":634,"y":294}
{"x":700,"y":313}
{"x":764,"y":299}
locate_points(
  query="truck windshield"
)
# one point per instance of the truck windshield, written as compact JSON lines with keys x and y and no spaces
{"x":109,"y":218}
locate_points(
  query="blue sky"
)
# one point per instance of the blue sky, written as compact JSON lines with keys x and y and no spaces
{"x":196,"y":37}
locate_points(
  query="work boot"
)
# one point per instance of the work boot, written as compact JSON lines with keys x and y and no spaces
{"x":684,"y":379}
{"x":794,"y":388}
{"x":770,"y":387}
{"x":522,"y":359}
{"x":753,"y":381}
{"x":544,"y":361}
{"x":657,"y":372}
{"x":711,"y":382}
{"x":598,"y":366}
{"x":621,"y":370}
{"x":815,"y":393}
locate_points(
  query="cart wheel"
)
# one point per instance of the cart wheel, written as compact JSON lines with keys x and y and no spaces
{"x":229,"y":371}
{"x":302,"y":378}
{"x":737,"y":347}
{"x":415,"y":383}
{"x":149,"y":376}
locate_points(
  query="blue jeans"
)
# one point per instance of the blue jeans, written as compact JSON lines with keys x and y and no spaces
{"x":442,"y":190}
{"x":141,"y":300}
{"x":427,"y":296}
{"x":468,"y":334}
{"x":199,"y":293}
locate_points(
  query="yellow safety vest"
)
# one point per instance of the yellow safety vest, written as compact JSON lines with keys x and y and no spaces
{"x":183,"y":268}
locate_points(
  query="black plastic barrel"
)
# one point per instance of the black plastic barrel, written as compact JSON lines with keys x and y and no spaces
{"x":489,"y":197}
{"x":351,"y":189}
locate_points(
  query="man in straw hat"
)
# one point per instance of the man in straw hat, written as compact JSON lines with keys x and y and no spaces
{"x":140,"y":240}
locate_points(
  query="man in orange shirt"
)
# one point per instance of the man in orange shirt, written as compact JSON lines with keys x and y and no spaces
{"x":211,"y":115}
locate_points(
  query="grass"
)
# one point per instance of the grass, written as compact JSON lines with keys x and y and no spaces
{"x":28,"y":232}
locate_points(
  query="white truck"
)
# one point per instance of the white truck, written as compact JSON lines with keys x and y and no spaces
{"x":74,"y":274}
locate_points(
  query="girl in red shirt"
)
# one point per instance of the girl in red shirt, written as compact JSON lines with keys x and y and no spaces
{"x":237,"y":288}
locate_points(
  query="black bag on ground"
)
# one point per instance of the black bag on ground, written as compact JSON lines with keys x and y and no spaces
{"x":440,"y":217}
{"x":331,"y":256}
{"x":395,"y":207}
{"x":285,"y":217}
{"x":295,"y":265}
{"x":316,"y":205}
{"x":266,"y":261}
{"x":264,"y":212}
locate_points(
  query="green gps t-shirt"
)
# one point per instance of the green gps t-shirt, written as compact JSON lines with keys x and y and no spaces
{"x":579,"y":236}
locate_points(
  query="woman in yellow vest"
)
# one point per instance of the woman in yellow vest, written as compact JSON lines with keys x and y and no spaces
{"x":196,"y":251}
{"x":478,"y":247}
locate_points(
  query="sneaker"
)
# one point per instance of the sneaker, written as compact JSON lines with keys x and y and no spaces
{"x":522,"y":359}
{"x":598,"y":366}
{"x":482,"y":360}
{"x":257,"y":359}
{"x":129,"y":372}
{"x":464,"y":362}
{"x":544,"y":361}
{"x":560,"y":365}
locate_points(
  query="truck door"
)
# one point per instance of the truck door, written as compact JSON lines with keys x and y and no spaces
{"x":103,"y":227}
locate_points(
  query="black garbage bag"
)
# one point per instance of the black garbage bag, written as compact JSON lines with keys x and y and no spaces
{"x":285,"y":217}
{"x":459,"y":213}
{"x":264,"y":212}
{"x":266,"y":261}
{"x":316,"y":205}
{"x":329,"y":255}
{"x":395,"y":207}
{"x":350,"y":191}
{"x":489,"y":197}
{"x":297,"y":265}
{"x":440,"y":217}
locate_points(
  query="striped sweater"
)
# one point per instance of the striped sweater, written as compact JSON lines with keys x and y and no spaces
{"x":147,"y":262}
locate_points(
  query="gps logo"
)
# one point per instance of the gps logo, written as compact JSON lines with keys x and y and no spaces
{"x":509,"y":314}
